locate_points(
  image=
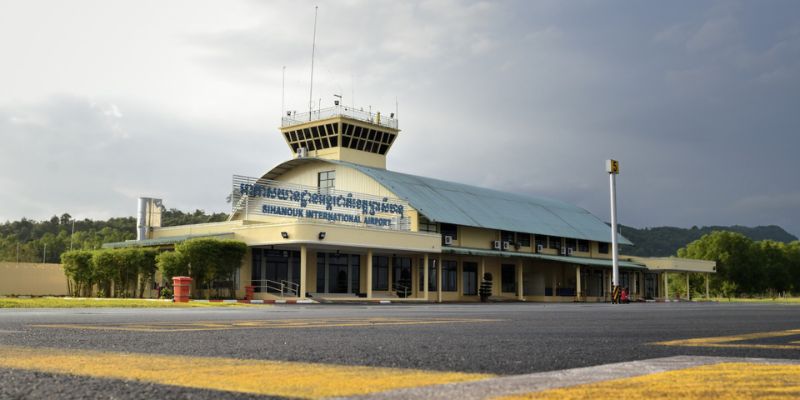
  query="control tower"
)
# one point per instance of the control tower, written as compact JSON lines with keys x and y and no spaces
{"x":341,"y":133}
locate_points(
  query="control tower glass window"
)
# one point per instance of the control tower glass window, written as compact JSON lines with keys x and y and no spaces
{"x":326,"y":180}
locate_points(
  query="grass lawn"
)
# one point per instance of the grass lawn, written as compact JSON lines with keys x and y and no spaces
{"x":60,"y":302}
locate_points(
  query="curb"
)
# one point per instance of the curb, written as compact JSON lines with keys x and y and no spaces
{"x":277,"y":301}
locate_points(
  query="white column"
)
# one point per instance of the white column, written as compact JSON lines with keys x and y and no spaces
{"x":688,"y":289}
{"x":425,"y":277}
{"x":439,"y":280}
{"x":520,"y":279}
{"x":303,"y":271}
{"x":369,"y":273}
{"x":578,"y":282}
{"x":666,"y":286}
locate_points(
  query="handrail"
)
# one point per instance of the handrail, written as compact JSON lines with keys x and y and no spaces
{"x":340,"y":110}
{"x":292,"y":287}
{"x":281,"y":287}
{"x":398,"y":288}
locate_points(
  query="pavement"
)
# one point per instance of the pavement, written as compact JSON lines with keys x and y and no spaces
{"x":470,"y":351}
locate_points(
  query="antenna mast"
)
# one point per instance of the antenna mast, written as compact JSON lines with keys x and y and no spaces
{"x":313,"y":46}
{"x":283,"y":91}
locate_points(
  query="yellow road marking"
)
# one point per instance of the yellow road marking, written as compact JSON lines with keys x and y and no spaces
{"x":730,"y":341}
{"x":723,"y":381}
{"x":262,"y":377}
{"x":267,"y":324}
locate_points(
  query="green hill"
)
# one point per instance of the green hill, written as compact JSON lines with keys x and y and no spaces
{"x":666,"y":240}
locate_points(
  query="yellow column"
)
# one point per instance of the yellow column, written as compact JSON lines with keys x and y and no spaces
{"x":578,"y":282}
{"x":425,"y":276}
{"x":666,"y":286}
{"x":439,"y":280}
{"x":519,"y":280}
{"x":369,"y":273}
{"x":303,"y":271}
{"x":707,"y":291}
{"x":688,"y":290}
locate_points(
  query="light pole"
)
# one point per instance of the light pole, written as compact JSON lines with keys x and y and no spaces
{"x":612,"y":167}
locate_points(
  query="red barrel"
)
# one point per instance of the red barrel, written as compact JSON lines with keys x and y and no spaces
{"x":182,"y":286}
{"x":248,"y":292}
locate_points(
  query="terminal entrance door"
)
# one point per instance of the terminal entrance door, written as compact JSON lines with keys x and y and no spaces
{"x":650,"y":286}
{"x":338,"y":273}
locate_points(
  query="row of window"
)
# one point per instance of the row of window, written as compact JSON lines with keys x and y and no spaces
{"x":519,"y":238}
{"x":401,"y":268}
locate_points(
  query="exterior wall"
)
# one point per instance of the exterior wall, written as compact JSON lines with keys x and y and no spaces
{"x":32,"y":279}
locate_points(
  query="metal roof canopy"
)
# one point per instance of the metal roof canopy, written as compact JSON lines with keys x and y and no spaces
{"x":162,"y":241}
{"x":597,"y":262}
{"x":461,"y":204}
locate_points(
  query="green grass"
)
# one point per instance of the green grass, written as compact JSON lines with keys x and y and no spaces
{"x":59,"y":302}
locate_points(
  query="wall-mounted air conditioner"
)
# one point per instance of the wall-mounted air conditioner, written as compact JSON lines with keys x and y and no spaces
{"x":496,"y":245}
{"x":506,"y":245}
{"x":539,"y":248}
{"x":563,"y":251}
{"x":569,"y":251}
{"x":448,"y":240}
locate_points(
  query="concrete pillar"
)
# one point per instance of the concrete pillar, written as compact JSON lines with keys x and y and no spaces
{"x":439,"y":280}
{"x":708,"y":296}
{"x":303,"y":271}
{"x":519,"y":280}
{"x":578,"y":292}
{"x":555,"y":283}
{"x":369,"y":273}
{"x":666,"y":286}
{"x":688,"y":289}
{"x":481,"y":271}
{"x":425,"y":277}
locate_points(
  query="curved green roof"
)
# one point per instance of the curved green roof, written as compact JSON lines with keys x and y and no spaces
{"x":461,"y":204}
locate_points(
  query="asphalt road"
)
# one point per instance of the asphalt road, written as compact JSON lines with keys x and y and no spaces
{"x":499,"y":339}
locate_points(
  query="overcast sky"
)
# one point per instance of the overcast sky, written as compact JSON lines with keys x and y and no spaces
{"x":105,"y":101}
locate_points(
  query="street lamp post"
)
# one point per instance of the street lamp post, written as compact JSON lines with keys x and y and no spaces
{"x":612,"y":167}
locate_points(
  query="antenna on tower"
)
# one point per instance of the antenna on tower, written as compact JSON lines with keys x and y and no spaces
{"x":283,"y":91}
{"x":313,"y":47}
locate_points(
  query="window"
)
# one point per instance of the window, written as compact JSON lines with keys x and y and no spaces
{"x":583,"y":245}
{"x":555,"y":242}
{"x":541,"y":240}
{"x":506,"y":236}
{"x":401,"y":274}
{"x":425,"y":225}
{"x":449,"y":230}
{"x":449,"y":276}
{"x":326,"y":180}
{"x":508,"y":278}
{"x":470,"y":278}
{"x":380,"y":273}
{"x":571,"y":244}
{"x":602,"y":247}
{"x":524,"y":239}
{"x":431,"y":274}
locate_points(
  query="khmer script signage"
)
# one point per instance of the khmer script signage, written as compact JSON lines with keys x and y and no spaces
{"x":298,"y":201}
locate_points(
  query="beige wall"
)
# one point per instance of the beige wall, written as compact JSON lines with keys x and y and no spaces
{"x":32,"y":279}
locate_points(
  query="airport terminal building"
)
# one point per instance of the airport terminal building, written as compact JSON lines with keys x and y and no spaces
{"x":334,"y":223}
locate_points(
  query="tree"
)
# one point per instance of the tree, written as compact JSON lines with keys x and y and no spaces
{"x":171,"y":264}
{"x":733,"y":253}
{"x":79,"y":270}
{"x":104,"y":266}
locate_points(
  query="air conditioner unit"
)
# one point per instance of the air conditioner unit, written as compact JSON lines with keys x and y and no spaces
{"x":496,"y":245}
{"x":302,"y":152}
{"x":448,"y":240}
{"x":506,"y":245}
{"x":569,"y":251}
{"x":539,"y":248}
{"x":563,"y":251}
